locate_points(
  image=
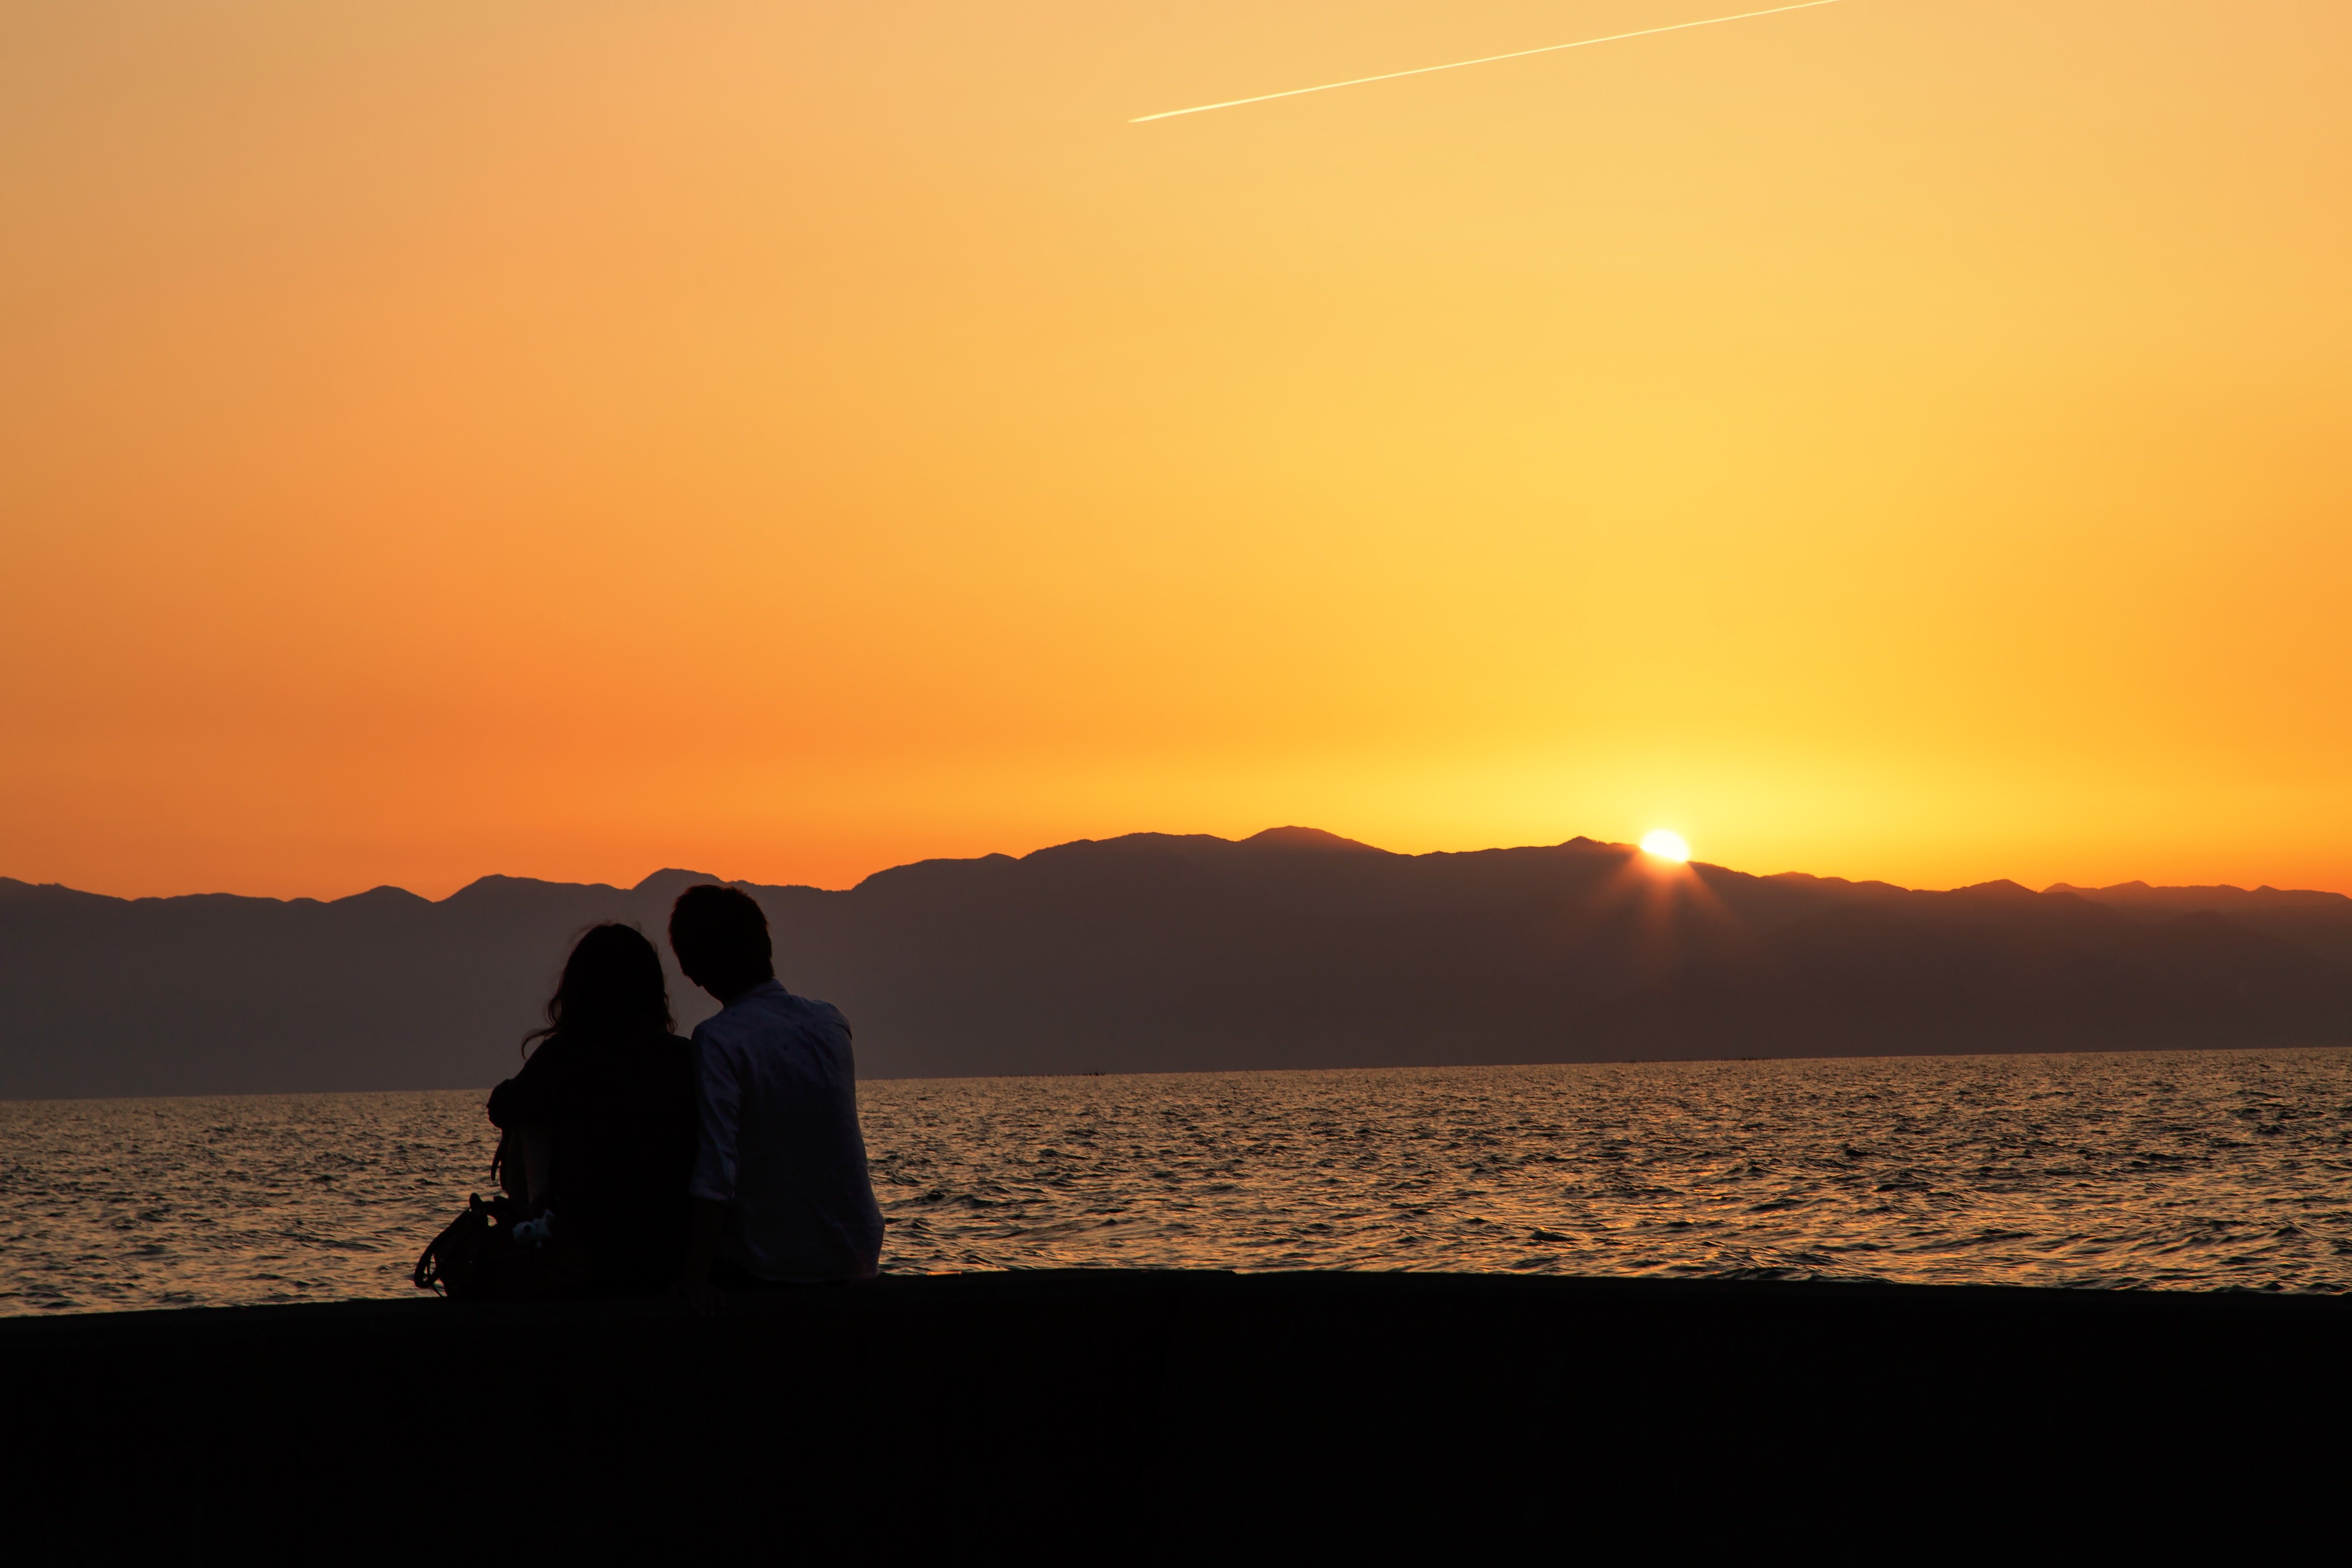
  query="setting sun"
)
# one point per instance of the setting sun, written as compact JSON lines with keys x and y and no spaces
{"x":1665,"y":845}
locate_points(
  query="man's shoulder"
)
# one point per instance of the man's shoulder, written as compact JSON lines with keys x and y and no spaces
{"x":772,"y":1013}
{"x":809,"y":1014}
{"x":812,"y":1007}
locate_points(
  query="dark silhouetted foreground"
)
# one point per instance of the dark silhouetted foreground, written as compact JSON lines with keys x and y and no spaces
{"x":1178,"y":1417}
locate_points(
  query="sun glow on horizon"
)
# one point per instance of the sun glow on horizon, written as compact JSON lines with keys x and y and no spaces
{"x":1665,"y":844}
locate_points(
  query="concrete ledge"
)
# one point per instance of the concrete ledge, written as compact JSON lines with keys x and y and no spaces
{"x":1171,"y":1416}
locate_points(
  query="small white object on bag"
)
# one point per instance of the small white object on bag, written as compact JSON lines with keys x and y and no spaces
{"x":535,"y":1232}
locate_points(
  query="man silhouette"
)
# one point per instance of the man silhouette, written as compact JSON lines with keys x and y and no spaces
{"x":780,"y":1192}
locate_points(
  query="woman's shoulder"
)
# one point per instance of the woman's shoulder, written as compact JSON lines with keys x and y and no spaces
{"x":522,"y":1092}
{"x":523,"y":1097}
{"x":549,"y":1060}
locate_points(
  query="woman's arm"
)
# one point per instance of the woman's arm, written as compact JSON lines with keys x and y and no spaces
{"x":522,"y":1109}
{"x":536,"y":1144}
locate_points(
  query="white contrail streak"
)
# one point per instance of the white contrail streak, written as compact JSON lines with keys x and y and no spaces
{"x":1482,"y":60}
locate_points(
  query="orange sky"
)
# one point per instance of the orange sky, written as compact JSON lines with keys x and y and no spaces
{"x":1906,"y":438}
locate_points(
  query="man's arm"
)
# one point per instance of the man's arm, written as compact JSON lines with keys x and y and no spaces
{"x":537,"y":1148}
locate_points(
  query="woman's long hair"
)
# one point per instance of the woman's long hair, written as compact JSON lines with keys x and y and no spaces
{"x":612,"y":985}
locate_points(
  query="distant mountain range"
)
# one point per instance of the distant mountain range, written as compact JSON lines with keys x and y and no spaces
{"x":1153,"y":954}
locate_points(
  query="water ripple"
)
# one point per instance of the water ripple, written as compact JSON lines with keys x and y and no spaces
{"x":2207,"y":1170}
{"x":2204,"y":1170}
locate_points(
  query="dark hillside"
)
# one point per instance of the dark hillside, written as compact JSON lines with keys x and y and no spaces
{"x":1159,"y":952}
{"x":2317,"y":922}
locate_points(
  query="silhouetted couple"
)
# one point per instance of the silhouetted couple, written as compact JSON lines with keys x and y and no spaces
{"x":728,"y":1160}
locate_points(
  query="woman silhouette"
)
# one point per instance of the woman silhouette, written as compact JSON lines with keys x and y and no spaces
{"x":602,"y":1119}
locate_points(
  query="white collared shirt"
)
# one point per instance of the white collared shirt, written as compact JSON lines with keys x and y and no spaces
{"x":777,"y":1088}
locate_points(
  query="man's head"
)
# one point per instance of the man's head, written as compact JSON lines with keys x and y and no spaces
{"x":720,"y":937}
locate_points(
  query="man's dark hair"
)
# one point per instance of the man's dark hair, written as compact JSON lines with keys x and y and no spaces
{"x":720,"y":937}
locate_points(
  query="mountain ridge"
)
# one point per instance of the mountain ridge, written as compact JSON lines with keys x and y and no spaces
{"x":1292,"y":948}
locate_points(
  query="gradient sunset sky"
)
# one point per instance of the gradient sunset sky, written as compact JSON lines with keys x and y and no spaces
{"x":1906,"y":438}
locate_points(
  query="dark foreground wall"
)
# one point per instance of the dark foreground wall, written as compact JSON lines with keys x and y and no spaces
{"x":1121,"y":1416}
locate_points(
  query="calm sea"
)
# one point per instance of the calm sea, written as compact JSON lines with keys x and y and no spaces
{"x":2207,"y":1170}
